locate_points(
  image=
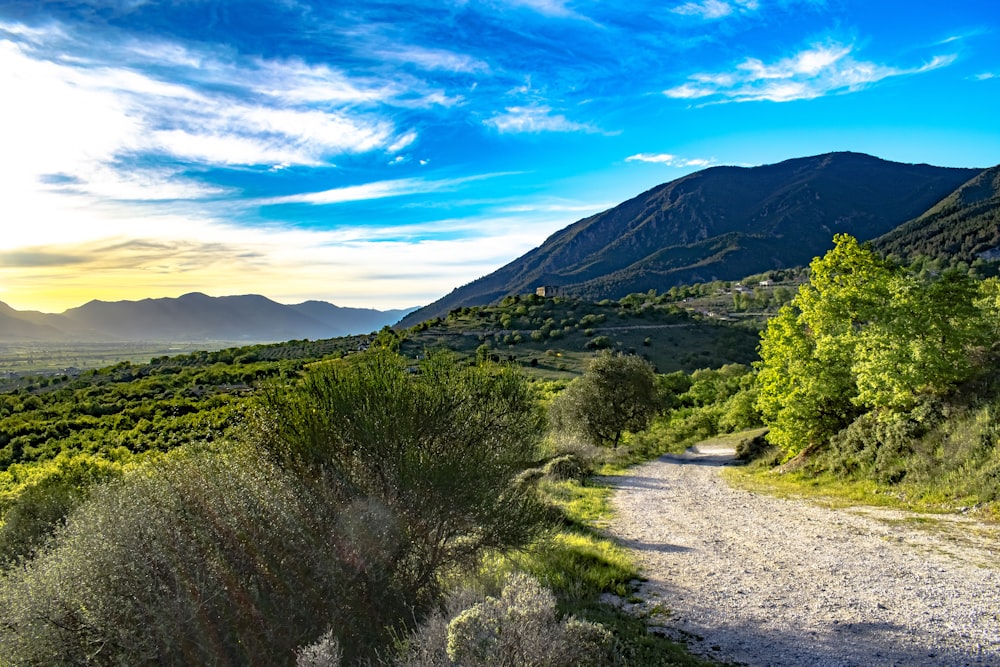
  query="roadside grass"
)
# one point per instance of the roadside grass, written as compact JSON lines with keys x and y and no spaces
{"x":580,"y":564}
{"x":833,"y":491}
{"x":825,"y":489}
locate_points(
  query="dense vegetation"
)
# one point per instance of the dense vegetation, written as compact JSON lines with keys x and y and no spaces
{"x":964,"y":227}
{"x":324,"y":521}
{"x":682,"y":329}
{"x":876,"y":371}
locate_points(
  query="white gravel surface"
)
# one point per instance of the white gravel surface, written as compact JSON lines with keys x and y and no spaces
{"x":756,"y":580}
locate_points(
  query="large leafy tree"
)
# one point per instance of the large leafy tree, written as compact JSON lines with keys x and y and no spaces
{"x":863,"y":335}
{"x":806,"y":382}
{"x":617,"y":393}
{"x":922,"y":345}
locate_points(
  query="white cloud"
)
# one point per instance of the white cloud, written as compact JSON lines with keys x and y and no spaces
{"x":669,"y":160}
{"x":556,"y":8}
{"x":814,"y":72}
{"x":377,"y":190}
{"x":716,"y":9}
{"x":67,"y":111}
{"x":434,"y":59}
{"x":661,"y":158}
{"x":534,"y":119}
{"x":986,"y":76}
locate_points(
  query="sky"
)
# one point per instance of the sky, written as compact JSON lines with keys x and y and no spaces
{"x":376,"y":153}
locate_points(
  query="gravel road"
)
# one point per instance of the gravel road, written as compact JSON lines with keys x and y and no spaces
{"x":756,"y":580}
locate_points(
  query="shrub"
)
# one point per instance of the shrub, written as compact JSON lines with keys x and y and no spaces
{"x":204,"y":559}
{"x":519,"y":628}
{"x":617,"y":393}
{"x":567,"y":466}
{"x":438,"y":450}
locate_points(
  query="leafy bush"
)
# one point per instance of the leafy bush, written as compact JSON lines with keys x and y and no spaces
{"x":42,"y":505}
{"x":567,"y":466}
{"x":617,"y":393}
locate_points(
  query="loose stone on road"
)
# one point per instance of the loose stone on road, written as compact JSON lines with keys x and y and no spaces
{"x":752,"y":579}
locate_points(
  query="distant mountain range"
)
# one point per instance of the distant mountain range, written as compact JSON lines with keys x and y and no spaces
{"x":193,"y":317}
{"x":723,"y":223}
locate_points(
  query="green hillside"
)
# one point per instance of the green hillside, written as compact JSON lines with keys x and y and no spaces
{"x":963,"y":227}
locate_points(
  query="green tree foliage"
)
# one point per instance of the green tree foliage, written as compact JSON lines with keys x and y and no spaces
{"x":863,"y":335}
{"x":617,"y":393}
{"x":437,"y":446}
{"x":43,"y":502}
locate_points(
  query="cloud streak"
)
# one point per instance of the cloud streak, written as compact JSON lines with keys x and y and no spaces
{"x":814,"y":72}
{"x":534,"y":119}
{"x":668,"y":160}
{"x":716,"y":9}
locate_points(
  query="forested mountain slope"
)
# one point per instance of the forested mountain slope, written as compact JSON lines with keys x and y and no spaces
{"x":964,"y":226}
{"x":719,"y":223}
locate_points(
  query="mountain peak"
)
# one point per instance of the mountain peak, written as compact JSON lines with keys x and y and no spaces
{"x":718,"y":223}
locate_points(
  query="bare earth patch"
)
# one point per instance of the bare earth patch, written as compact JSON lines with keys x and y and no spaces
{"x":757,"y":580}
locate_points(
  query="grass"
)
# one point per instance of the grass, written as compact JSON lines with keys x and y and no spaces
{"x":836,"y":491}
{"x":580,"y":564}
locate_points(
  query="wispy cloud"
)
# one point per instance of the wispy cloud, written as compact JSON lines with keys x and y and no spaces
{"x":556,"y":8}
{"x":668,"y":160}
{"x":102,"y":122}
{"x":716,"y":9}
{"x":378,"y":190}
{"x":434,"y":59}
{"x":986,"y":76}
{"x":814,"y":72}
{"x":535,"y":119}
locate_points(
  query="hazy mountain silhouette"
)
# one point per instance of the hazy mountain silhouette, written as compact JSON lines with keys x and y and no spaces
{"x":194,"y":317}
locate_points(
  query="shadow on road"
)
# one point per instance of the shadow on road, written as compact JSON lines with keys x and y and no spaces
{"x":727,"y":458}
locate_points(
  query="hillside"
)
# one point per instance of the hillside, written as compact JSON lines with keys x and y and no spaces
{"x":193,"y":317}
{"x":964,"y":226}
{"x":719,"y":223}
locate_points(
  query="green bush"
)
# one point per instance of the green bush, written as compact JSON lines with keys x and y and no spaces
{"x":617,"y":393}
{"x":438,"y":449}
{"x":42,"y":506}
{"x":566,"y":466}
{"x":206,"y":559}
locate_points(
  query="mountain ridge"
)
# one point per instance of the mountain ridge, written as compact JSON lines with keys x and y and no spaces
{"x":718,"y":223}
{"x":193,"y":317}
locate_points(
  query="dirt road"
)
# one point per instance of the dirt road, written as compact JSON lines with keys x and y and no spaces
{"x":757,"y":580}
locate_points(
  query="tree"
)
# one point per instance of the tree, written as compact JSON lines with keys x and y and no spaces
{"x":617,"y":393}
{"x":864,"y":335}
{"x":807,"y":387}
{"x":923,"y":344}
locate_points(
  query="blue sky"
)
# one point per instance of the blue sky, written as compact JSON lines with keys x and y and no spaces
{"x":381,"y":153}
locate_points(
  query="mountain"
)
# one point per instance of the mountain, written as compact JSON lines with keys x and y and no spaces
{"x":24,"y":326}
{"x":719,"y":223}
{"x":963,"y":226}
{"x":194,"y":317}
